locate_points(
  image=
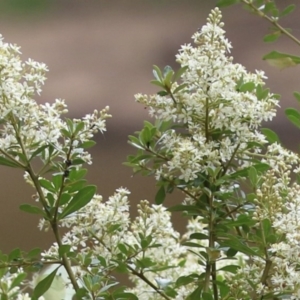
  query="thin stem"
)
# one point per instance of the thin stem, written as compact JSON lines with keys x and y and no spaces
{"x":12,"y":159}
{"x":207,"y":276}
{"x":133,"y":271}
{"x":206,"y":120}
{"x":212,"y":246}
{"x":214,"y":279}
{"x":65,"y":260}
{"x":268,"y":265}
{"x":145,"y":279}
{"x":54,"y":227}
{"x":39,"y":190}
{"x":42,"y":199}
{"x":32,"y":263}
{"x":272,"y":20}
{"x":171,"y":94}
{"x":210,"y":270}
{"x":230,"y":160}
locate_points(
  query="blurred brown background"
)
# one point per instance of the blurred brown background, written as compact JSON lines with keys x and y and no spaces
{"x":100,"y":53}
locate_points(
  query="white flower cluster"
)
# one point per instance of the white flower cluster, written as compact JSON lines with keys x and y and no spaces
{"x":26,"y":125}
{"x":221,"y":107}
{"x":100,"y":227}
{"x":219,"y":113}
{"x":277,"y":202}
{"x":8,"y":287}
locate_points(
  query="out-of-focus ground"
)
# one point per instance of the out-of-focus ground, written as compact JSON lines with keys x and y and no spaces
{"x":101,"y":53}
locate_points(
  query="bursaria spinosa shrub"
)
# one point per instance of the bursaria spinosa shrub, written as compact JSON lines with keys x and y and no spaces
{"x":241,"y":240}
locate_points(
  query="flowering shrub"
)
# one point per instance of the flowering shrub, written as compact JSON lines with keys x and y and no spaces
{"x":242,"y":239}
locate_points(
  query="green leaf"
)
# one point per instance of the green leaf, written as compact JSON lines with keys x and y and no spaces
{"x":163,"y":125}
{"x":275,"y":12}
{"x":133,"y":139}
{"x":297,"y":96}
{"x":43,"y":286}
{"x":123,"y":248}
{"x":235,"y":243}
{"x":77,"y":174}
{"x":170,"y":292}
{"x":271,"y":239}
{"x":196,"y":294}
{"x":230,"y":268}
{"x":76,"y":186}
{"x":185,"y":280}
{"x":260,"y":168}
{"x":46,"y":184}
{"x":157,"y":73}
{"x":57,"y":181}
{"x":34,"y":253}
{"x":207,"y":296}
{"x":223,"y":3}
{"x":239,"y":83}
{"x":224,"y":289}
{"x":78,"y":127}
{"x":14,"y":254}
{"x":266,"y":225}
{"x":113,"y":228}
{"x":158,"y":83}
{"x":50,"y":199}
{"x":289,"y":9}
{"x":63,"y":249}
{"x":180,"y":87}
{"x":145,"y":136}
{"x":121,"y":268}
{"x":145,"y":262}
{"x":261,"y":93}
{"x":81,"y":294}
{"x":168,"y":78}
{"x":191,"y":244}
{"x":269,"y":6}
{"x":292,"y":112}
{"x":281,"y":60}
{"x":198,"y":236}
{"x":293,"y":115}
{"x":70,"y":125}
{"x":179,"y":73}
{"x":162,"y":93}
{"x":160,"y":195}
{"x":242,"y":219}
{"x":21,"y":156}
{"x":65,"y":133}
{"x":76,"y":161}
{"x":247,"y":87}
{"x":144,"y":244}
{"x":82,"y":198}
{"x":31,"y":209}
{"x":271,"y":136}
{"x":136,"y":145}
{"x":17,"y":280}
{"x":124,"y":296}
{"x":167,"y":70}
{"x":38,"y":151}
{"x":272,"y":37}
{"x":8,"y":163}
{"x":88,"y":144}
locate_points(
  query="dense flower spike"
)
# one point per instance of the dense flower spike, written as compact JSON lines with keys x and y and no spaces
{"x":221,"y":106}
{"x":22,"y":119}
